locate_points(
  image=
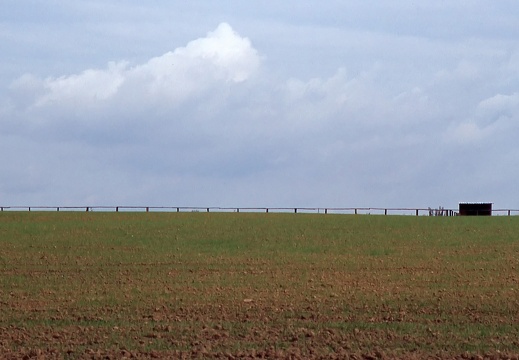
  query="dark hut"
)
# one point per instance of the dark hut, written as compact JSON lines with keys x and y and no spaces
{"x":475,"y":209}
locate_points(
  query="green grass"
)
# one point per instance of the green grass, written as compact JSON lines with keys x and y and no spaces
{"x":401,"y":283}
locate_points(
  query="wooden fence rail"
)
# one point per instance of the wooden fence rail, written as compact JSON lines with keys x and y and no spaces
{"x":295,"y":210}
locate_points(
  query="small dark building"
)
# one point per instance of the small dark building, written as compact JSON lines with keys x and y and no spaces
{"x":475,"y":209}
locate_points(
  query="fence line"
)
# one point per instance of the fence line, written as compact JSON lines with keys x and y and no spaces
{"x":295,"y":210}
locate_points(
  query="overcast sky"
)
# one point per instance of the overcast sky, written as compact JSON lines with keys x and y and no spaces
{"x":254,"y":103}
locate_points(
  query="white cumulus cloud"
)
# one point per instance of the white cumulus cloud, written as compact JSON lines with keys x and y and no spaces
{"x":220,"y":58}
{"x":495,"y":116}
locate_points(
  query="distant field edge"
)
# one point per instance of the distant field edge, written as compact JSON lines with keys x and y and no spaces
{"x":295,"y":210}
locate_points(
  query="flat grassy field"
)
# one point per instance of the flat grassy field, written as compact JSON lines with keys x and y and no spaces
{"x":229,"y":285}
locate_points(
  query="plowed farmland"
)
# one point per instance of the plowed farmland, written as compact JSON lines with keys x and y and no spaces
{"x":241,"y":285}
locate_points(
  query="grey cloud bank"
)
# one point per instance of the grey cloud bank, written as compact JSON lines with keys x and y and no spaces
{"x":326,"y":107}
